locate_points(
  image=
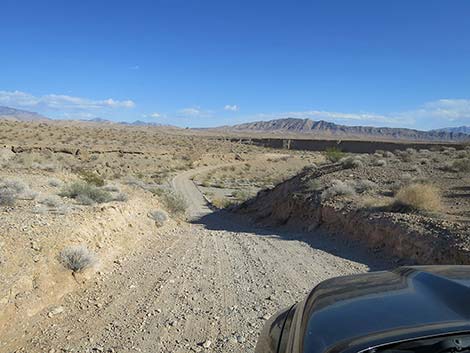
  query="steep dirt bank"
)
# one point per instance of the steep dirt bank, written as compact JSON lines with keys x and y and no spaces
{"x":33,"y":280}
{"x":409,"y":236}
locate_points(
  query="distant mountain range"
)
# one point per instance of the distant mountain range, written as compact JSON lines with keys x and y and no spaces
{"x":461,"y":129}
{"x":288,"y":126}
{"x":134,"y":123}
{"x":325,"y":129}
{"x":19,"y":115}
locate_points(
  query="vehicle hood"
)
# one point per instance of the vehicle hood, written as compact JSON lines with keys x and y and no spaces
{"x":352,"y":313}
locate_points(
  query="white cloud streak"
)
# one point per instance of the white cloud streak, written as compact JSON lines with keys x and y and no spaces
{"x":59,"y":101}
{"x":195,"y":112}
{"x":437,"y":113}
{"x":152,"y":115}
{"x":232,"y":108}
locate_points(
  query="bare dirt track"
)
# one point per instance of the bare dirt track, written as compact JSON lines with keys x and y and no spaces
{"x":204,"y":286}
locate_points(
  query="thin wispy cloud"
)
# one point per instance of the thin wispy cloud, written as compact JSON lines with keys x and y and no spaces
{"x":232,"y":108}
{"x":152,"y":115}
{"x":195,"y":112}
{"x":446,"y":109}
{"x":439,"y":113}
{"x":59,"y":101}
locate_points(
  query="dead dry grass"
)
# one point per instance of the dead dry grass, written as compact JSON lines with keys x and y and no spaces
{"x":418,"y":197}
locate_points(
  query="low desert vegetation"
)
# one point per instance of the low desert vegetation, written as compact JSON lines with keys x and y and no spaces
{"x":347,"y":188}
{"x":159,"y":217}
{"x":462,"y":165}
{"x":86,"y":194}
{"x":338,"y":188}
{"x":222,"y":202}
{"x":91,"y":178}
{"x":418,"y":197}
{"x":351,"y":162}
{"x":77,"y":258}
{"x":54,"y":182}
{"x":12,"y":190}
{"x":174,"y":203}
{"x":334,"y":154}
{"x":52,"y":201}
{"x":380,"y":163}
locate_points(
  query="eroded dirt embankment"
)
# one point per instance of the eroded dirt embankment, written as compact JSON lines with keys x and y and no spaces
{"x":407,"y":236}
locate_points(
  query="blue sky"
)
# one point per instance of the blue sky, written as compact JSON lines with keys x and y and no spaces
{"x":206,"y":63}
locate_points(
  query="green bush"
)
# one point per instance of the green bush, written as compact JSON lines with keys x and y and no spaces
{"x":91,"y":178}
{"x":175,"y":203}
{"x":334,"y":154}
{"x":86,"y":194}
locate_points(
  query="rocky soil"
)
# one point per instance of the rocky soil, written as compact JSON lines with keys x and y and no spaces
{"x":355,"y":198}
{"x":204,"y":286}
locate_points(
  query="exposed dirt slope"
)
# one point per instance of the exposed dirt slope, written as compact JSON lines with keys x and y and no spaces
{"x":426,"y":238}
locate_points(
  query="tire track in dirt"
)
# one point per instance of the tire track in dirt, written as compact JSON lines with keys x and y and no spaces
{"x":216,"y":281}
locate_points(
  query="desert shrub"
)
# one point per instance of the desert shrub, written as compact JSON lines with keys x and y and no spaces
{"x":364,"y":185}
{"x":91,"y":178}
{"x":351,"y":162}
{"x":16,"y":186}
{"x":241,"y":195}
{"x":338,"y":188}
{"x":51,"y":204}
{"x":175,"y":203}
{"x":12,"y":190}
{"x":380,"y":162}
{"x":51,"y":201}
{"x":407,"y":157}
{"x":388,"y":154}
{"x":86,"y":194}
{"x":111,"y":188}
{"x":159,"y":217}
{"x":221,"y":202}
{"x":49,"y":167}
{"x":313,"y":184}
{"x":410,"y":150}
{"x":121,"y":197}
{"x":461,"y":165}
{"x":156,"y":190}
{"x":132,"y":181}
{"x":458,"y":165}
{"x":418,"y":197}
{"x":334,"y":154}
{"x":54,"y":182}
{"x":7,"y":197}
{"x":379,"y":152}
{"x":77,"y":258}
{"x":424,"y":152}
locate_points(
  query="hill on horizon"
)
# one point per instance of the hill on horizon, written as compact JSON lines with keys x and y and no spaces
{"x":325,"y":129}
{"x":8,"y":113}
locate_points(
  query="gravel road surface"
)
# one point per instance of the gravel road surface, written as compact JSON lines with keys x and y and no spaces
{"x":207,"y":286}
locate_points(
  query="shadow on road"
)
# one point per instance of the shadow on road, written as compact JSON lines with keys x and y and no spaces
{"x":336,"y":245}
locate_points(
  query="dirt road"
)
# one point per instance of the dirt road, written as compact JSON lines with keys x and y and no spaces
{"x":207,"y":286}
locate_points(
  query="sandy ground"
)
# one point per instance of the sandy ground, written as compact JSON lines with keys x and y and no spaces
{"x":204,"y":286}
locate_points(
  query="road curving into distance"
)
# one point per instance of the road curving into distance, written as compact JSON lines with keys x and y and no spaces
{"x":207,"y":286}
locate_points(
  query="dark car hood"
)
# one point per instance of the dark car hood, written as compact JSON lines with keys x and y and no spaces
{"x":356,"y":312}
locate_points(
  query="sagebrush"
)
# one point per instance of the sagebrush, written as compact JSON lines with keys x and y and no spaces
{"x":77,"y":258}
